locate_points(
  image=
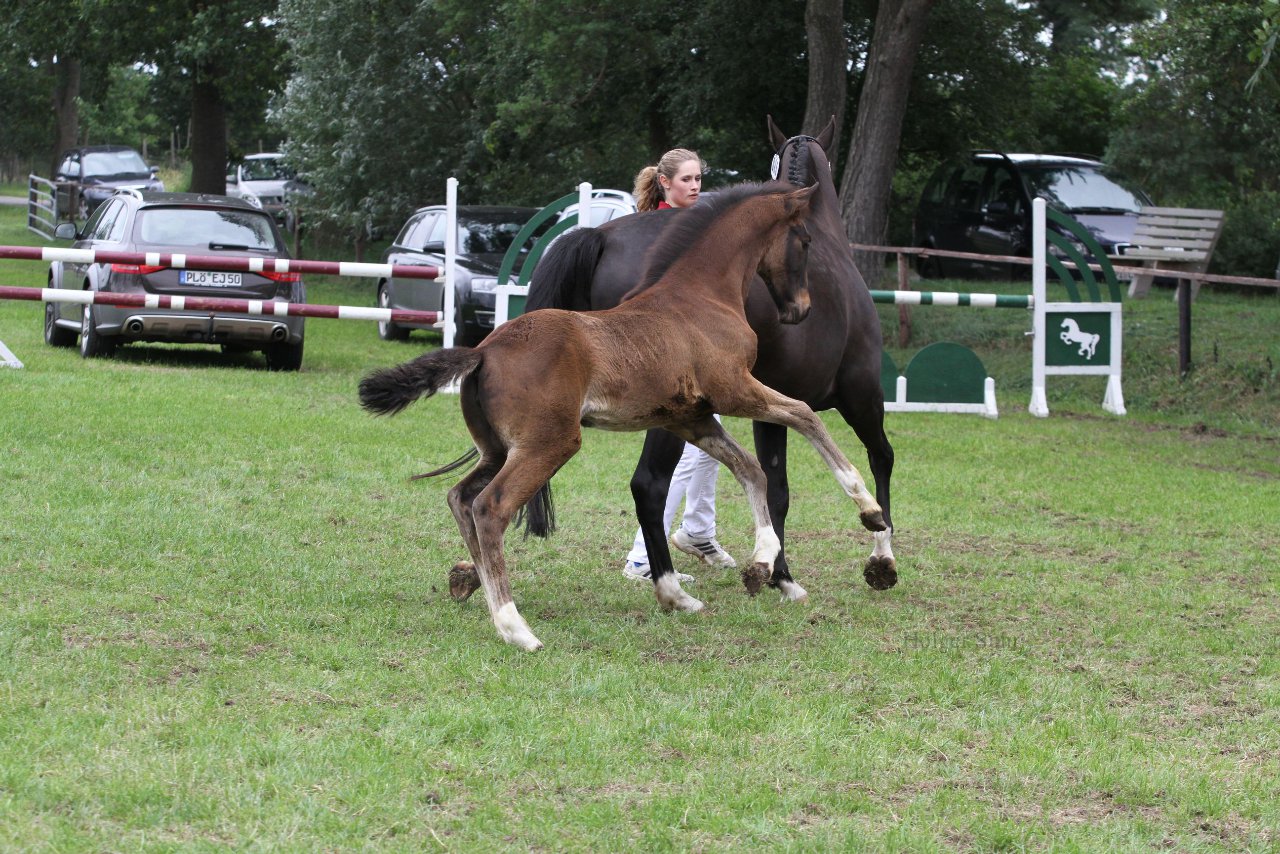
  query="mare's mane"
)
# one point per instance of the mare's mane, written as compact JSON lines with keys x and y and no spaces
{"x":690,"y":225}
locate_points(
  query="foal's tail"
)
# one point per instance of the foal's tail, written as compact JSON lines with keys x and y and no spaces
{"x":389,"y":391}
{"x":563,"y":276}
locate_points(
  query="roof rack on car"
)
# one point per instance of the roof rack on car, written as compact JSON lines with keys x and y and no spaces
{"x":129,"y":191}
{"x":1095,"y":158}
{"x":999,"y":154}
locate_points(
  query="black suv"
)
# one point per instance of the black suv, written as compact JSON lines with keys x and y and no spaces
{"x":484,"y":235}
{"x":100,"y":170}
{"x":172,"y":224}
{"x":982,"y":204}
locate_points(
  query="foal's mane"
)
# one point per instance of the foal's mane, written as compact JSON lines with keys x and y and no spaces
{"x":691,"y":224}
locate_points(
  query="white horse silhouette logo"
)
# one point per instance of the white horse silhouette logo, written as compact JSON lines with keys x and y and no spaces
{"x":1072,"y":334}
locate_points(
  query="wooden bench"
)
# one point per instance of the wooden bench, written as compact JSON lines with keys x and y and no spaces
{"x":1173,"y":239}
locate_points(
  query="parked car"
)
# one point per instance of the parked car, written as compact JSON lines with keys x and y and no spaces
{"x":483,"y":236}
{"x":169,"y":223}
{"x":982,"y":204}
{"x":100,"y":170}
{"x":263,"y":180}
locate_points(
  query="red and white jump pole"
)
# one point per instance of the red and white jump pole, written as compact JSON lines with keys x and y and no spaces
{"x":265,"y":308}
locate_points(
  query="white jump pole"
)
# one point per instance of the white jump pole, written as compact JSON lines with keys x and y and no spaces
{"x":450,"y":259}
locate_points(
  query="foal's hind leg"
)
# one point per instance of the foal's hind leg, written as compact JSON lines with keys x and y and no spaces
{"x":463,"y":578}
{"x":521,"y":476}
{"x":708,"y":435}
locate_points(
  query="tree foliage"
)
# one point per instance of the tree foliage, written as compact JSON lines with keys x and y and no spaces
{"x":1194,"y":136}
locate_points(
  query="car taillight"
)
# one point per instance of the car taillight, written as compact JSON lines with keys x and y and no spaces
{"x":136,"y":269}
{"x":284,"y":278}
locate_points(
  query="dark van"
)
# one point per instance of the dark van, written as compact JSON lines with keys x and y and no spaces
{"x":982,"y":204}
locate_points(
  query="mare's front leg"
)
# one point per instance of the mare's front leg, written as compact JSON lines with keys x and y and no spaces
{"x":649,"y":487}
{"x":771,"y":451}
{"x":708,"y":435}
{"x":864,"y":412}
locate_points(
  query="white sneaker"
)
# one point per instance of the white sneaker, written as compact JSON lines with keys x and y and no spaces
{"x":641,"y":572}
{"x":707,"y":551}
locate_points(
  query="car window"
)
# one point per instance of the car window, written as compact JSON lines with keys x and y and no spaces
{"x":964,"y":187}
{"x":434,"y":229}
{"x":493,"y":234}
{"x":406,"y":233}
{"x":104,"y":164}
{"x":99,"y":225}
{"x":120,"y":225}
{"x":1001,"y":185}
{"x":1081,"y":188}
{"x":207,"y":228}
{"x":265,"y":169}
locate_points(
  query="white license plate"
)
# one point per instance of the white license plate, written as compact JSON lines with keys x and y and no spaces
{"x":210,"y":279}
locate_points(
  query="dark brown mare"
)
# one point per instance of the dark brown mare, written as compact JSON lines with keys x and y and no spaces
{"x":831,"y":360}
{"x":676,"y":352}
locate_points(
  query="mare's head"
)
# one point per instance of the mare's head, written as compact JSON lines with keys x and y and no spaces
{"x":801,"y":160}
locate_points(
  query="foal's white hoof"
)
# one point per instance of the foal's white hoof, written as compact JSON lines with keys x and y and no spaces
{"x":514,"y":630}
{"x":672,"y":598}
{"x":792,"y":592}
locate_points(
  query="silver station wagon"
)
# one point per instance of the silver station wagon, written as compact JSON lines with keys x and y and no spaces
{"x":176,"y":223}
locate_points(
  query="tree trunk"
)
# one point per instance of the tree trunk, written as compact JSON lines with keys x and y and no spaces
{"x":66,"y":110}
{"x":828,"y":77}
{"x":873,"y":151}
{"x":208,"y":136}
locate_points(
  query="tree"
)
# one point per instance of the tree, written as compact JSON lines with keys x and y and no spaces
{"x":873,"y":150}
{"x":1193,"y":135}
{"x":828,"y":55}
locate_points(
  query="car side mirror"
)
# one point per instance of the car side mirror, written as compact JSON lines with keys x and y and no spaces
{"x":154,"y":170}
{"x":433,"y":246}
{"x":66,"y":231}
{"x":996,"y":212}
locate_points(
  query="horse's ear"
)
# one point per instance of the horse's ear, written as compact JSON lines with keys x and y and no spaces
{"x":776,"y":137}
{"x":801,"y":198}
{"x":828,"y":133}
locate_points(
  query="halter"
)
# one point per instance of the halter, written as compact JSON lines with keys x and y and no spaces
{"x":793,"y":168}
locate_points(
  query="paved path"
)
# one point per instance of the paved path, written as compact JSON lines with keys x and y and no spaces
{"x":20,"y":201}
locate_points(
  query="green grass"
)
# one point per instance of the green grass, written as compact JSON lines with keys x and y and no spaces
{"x":226,"y":625}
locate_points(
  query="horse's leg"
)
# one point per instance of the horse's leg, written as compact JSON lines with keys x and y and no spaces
{"x":649,"y":487}
{"x":865,"y":414}
{"x":463,"y":578}
{"x":492,"y":511}
{"x":771,"y":451}
{"x":708,"y":435}
{"x":749,"y":398}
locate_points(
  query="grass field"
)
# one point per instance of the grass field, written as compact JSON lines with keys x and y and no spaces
{"x":225,"y":620}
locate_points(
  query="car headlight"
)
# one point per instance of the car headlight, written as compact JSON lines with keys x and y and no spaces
{"x":483,"y":286}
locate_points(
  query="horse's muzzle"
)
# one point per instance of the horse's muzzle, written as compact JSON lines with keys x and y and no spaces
{"x":795,"y":312}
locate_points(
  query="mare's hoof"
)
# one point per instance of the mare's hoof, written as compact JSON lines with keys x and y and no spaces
{"x":881,"y":573}
{"x":463,"y":580}
{"x":873,"y":521}
{"x":754,"y":577}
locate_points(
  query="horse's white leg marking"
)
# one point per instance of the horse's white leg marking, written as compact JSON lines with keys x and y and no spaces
{"x":513,"y":629}
{"x":884,"y":544}
{"x":671,"y":597}
{"x":767,"y":545}
{"x":792,"y":592}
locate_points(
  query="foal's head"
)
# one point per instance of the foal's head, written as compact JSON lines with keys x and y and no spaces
{"x":785,"y":265}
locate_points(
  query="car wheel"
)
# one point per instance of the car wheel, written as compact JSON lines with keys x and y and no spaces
{"x":284,"y":357}
{"x":55,"y":335}
{"x":92,"y":343}
{"x":929,"y":267}
{"x":387,"y":330}
{"x":463,"y":336}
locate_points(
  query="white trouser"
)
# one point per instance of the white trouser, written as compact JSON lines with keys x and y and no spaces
{"x":694,"y":481}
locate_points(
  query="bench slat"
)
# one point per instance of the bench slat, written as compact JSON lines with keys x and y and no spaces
{"x":1181,"y":212}
{"x":1164,"y":255}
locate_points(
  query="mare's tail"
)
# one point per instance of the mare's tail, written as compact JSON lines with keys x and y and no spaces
{"x":563,"y":276}
{"x":390,"y":390}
